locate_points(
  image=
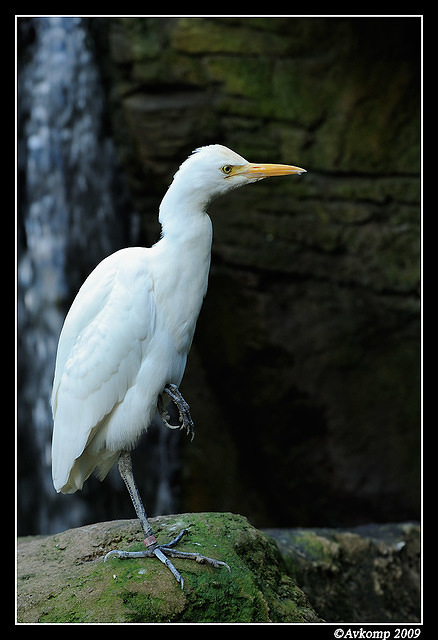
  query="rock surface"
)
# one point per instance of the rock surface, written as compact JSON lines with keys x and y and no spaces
{"x":63,"y":578}
{"x":365,"y":574}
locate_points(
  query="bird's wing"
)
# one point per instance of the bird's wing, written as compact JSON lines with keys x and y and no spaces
{"x":99,"y":352}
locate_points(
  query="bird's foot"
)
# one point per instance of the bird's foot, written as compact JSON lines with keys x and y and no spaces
{"x":166,"y":551}
{"x":185,"y":419}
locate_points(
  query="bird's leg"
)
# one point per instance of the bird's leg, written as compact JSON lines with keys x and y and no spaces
{"x":125,"y":470}
{"x":162,"y":552}
{"x":185,"y":419}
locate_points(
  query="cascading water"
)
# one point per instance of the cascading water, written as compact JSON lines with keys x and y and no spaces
{"x":72,"y":212}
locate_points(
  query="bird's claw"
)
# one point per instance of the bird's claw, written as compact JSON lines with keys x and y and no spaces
{"x":183,"y":407}
{"x":166,"y":551}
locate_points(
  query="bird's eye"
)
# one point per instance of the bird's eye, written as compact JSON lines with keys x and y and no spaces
{"x":227,"y":169}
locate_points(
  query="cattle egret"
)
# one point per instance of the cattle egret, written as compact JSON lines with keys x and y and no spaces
{"x":124,"y":344}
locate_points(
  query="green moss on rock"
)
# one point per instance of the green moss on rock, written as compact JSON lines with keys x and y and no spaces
{"x":370,"y":573}
{"x":63,"y":578}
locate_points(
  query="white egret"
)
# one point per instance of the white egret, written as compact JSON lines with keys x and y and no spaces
{"x":124,"y":344}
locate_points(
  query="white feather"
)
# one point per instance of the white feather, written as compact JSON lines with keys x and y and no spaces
{"x":131,"y":325}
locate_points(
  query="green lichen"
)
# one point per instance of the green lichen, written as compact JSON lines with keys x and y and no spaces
{"x":80,"y":587}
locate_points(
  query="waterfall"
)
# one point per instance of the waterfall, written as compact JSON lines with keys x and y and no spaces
{"x":72,"y":212}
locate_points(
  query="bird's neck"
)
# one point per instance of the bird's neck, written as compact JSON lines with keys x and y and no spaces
{"x":186,"y":227}
{"x":183,"y":207}
{"x":182,"y":265}
{"x":185,"y":224}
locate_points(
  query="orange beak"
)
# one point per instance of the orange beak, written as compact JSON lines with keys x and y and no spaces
{"x":253,"y":170}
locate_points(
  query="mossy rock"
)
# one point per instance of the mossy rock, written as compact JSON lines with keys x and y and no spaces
{"x":63,"y":577}
{"x":369,"y":573}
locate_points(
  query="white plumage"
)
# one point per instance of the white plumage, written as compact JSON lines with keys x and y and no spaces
{"x":131,"y":325}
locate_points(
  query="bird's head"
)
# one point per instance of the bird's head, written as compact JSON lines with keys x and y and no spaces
{"x":213,"y":170}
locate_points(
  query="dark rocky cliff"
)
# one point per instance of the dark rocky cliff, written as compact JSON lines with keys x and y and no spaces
{"x":304,"y":374}
{"x":304,"y":377}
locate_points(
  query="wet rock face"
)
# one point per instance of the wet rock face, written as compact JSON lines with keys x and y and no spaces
{"x":71,"y":214}
{"x":304,"y":375}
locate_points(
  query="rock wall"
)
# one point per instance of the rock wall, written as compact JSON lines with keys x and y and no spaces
{"x":304,"y":375}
